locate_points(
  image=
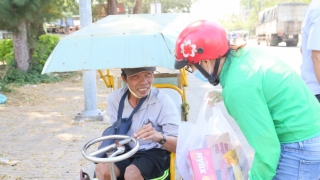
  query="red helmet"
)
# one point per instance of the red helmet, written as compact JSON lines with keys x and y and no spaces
{"x":198,"y":41}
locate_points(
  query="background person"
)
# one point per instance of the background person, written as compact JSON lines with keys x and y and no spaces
{"x":276,"y":111}
{"x":310,"y":48}
{"x":155,"y":124}
{"x":234,"y":37}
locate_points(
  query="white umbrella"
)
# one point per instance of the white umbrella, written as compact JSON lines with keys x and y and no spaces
{"x":119,"y":41}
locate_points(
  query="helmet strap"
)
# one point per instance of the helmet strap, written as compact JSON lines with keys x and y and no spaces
{"x":213,"y":79}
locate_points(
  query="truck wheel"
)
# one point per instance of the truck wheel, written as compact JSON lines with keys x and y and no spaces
{"x":292,"y":44}
{"x":274,"y":40}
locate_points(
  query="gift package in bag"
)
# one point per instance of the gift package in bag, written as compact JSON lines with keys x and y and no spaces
{"x":229,"y":161}
{"x":192,"y":137}
{"x":213,"y":135}
{"x":202,"y":164}
{"x":227,"y":149}
{"x":219,"y":145}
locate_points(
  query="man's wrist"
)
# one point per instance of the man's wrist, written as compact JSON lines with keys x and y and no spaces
{"x":163,"y":139}
{"x":159,"y":137}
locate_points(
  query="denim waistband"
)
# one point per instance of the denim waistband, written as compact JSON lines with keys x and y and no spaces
{"x":312,"y":140}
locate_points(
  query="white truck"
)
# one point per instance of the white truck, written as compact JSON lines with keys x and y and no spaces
{"x":281,"y":23}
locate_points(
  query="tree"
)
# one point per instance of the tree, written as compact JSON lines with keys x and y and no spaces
{"x":232,"y":22}
{"x":167,"y":6}
{"x":142,"y":6}
{"x":108,"y":6}
{"x":14,"y":17}
{"x":112,"y":7}
{"x":137,"y":7}
{"x":25,"y":19}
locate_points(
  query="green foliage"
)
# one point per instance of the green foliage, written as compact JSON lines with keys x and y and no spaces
{"x":6,"y":51}
{"x":233,"y":22}
{"x":16,"y":77}
{"x":4,"y":88}
{"x":32,"y":76}
{"x":167,"y":6}
{"x":12,"y":13}
{"x":34,"y":13}
{"x":44,"y":47}
{"x":13,"y":75}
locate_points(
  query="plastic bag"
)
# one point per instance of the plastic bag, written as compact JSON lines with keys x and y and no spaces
{"x":204,"y":135}
{"x":237,"y":163}
{"x":190,"y":137}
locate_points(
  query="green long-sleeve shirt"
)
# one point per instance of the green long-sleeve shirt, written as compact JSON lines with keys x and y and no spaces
{"x":270,"y":103}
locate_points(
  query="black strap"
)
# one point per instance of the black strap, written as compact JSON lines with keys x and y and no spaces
{"x":212,"y":78}
{"x":121,"y":106}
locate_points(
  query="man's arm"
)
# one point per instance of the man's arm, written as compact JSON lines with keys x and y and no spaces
{"x":171,"y":143}
{"x":316,"y":63}
{"x":301,"y":49}
{"x":148,"y":132}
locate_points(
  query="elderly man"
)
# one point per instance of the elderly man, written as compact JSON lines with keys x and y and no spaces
{"x":155,"y":124}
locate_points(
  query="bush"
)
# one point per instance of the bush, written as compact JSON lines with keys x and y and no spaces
{"x":13,"y":75}
{"x":44,"y":47}
{"x":6,"y":51}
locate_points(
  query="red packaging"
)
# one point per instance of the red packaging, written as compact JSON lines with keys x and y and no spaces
{"x":202,"y":164}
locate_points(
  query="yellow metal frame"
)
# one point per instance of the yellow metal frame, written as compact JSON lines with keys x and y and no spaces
{"x":108,"y":79}
{"x":172,"y":166}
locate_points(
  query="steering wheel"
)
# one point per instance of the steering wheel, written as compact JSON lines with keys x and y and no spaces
{"x":113,"y":157}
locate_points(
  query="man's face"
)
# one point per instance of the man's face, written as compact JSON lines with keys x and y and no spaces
{"x":140,"y":83}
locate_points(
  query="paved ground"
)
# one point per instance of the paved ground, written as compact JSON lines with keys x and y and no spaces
{"x":37,"y":133}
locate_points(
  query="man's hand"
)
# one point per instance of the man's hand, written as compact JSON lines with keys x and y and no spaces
{"x":148,"y":132}
{"x":214,"y":96}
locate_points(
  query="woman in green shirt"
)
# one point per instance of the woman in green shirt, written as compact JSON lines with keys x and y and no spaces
{"x":275,"y":110}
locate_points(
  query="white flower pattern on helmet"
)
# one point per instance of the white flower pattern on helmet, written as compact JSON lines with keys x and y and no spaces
{"x":188,"y":49}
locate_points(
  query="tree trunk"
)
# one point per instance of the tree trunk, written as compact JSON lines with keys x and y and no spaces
{"x":20,"y":45}
{"x":112,"y":7}
{"x":41,"y":30}
{"x":137,"y":7}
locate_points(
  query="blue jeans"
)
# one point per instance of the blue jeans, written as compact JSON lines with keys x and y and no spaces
{"x":299,"y":161}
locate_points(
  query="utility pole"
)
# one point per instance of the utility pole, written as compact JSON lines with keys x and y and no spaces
{"x":91,"y":112}
{"x":155,"y":6}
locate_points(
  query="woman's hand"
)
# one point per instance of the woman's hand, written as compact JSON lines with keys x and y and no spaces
{"x":147,"y":132}
{"x":214,"y":96}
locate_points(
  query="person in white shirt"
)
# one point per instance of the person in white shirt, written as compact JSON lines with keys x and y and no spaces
{"x":310,"y":48}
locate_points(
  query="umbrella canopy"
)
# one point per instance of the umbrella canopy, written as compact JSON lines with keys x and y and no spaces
{"x":119,"y":41}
